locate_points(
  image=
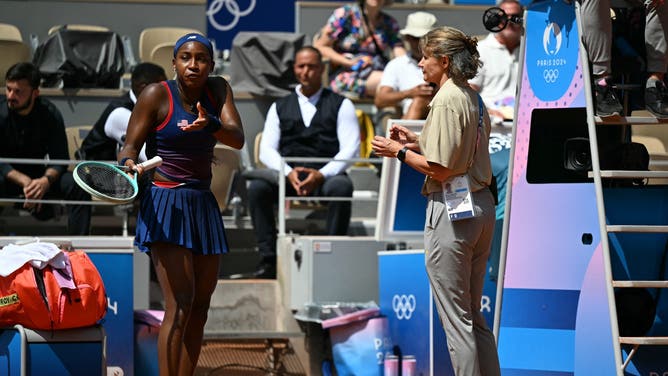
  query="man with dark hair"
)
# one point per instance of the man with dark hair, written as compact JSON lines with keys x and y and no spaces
{"x":496,"y":80}
{"x":310,"y":122}
{"x":31,"y":127}
{"x":108,"y":133}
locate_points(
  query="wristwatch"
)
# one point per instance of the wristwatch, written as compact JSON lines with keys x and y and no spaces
{"x":401,"y":154}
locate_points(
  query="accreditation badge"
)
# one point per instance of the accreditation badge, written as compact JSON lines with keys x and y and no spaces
{"x":458,"y":198}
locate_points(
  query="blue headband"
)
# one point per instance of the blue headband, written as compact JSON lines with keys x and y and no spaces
{"x":193,"y":37}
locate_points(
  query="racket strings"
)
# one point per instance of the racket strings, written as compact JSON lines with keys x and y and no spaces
{"x":106,"y":181}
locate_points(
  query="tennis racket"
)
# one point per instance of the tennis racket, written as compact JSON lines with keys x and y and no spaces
{"x":110,"y":182}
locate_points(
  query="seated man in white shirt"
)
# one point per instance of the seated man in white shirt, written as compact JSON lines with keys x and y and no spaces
{"x":496,"y":80}
{"x":108,"y":133}
{"x":402,"y":83}
{"x":310,"y":122}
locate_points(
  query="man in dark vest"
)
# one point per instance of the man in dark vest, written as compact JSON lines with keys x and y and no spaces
{"x":108,"y":133}
{"x":310,"y":122}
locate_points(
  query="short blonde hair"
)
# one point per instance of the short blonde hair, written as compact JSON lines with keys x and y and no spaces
{"x":461,"y":50}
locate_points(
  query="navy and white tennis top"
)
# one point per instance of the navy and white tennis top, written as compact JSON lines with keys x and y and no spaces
{"x":186,"y":156}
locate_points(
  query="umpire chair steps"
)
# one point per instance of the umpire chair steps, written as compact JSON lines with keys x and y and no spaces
{"x":606,"y":229}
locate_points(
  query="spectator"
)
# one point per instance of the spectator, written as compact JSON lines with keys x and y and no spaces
{"x":31,"y":127}
{"x":356,"y":40}
{"x":402,"y":82}
{"x":597,"y":38}
{"x":496,"y":80}
{"x":108,"y":133}
{"x":311,"y":122}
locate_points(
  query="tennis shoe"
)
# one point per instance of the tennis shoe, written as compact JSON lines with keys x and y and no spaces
{"x":607,"y":103}
{"x":656,"y":100}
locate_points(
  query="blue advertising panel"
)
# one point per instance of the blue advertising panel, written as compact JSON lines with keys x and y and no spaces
{"x":406,"y":300}
{"x":225,"y":18}
{"x":116,"y":271}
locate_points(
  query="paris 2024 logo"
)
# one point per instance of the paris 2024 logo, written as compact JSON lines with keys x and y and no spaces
{"x":551,"y":49}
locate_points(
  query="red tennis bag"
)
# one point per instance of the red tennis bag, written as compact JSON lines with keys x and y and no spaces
{"x":36,"y":298}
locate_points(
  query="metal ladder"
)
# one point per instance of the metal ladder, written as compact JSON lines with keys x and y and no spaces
{"x":605,"y":230}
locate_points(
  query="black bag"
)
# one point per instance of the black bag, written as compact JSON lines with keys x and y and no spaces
{"x":636,"y":307}
{"x":261,"y":62}
{"x":81,"y":59}
{"x":631,"y":156}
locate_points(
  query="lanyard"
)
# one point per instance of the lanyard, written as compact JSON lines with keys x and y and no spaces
{"x":479,"y":130}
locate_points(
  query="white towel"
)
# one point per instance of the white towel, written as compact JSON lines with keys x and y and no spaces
{"x":38,"y":254}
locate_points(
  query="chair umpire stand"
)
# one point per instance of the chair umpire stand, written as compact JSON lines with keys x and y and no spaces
{"x":26,"y":352}
{"x":569,"y":242}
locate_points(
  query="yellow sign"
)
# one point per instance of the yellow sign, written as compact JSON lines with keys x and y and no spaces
{"x":9,"y":300}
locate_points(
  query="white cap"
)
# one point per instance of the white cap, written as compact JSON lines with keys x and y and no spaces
{"x":419,"y":24}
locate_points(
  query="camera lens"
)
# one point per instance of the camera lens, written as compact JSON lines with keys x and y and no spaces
{"x":582,"y":158}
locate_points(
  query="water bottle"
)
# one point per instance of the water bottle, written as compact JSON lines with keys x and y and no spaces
{"x":391,"y":365}
{"x":408,"y":365}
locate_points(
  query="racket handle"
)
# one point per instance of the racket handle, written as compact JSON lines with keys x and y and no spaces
{"x":151,"y":163}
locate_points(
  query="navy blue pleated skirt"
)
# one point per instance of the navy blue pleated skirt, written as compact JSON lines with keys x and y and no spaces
{"x":185,"y":216}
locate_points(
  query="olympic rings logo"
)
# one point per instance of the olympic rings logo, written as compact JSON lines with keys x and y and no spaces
{"x":232,"y":7}
{"x":550,"y":75}
{"x":403,"y":306}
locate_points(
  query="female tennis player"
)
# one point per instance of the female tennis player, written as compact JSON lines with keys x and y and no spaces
{"x":179,"y":222}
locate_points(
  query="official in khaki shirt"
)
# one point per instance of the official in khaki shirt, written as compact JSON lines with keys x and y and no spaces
{"x":449,"y":137}
{"x":456,"y":252}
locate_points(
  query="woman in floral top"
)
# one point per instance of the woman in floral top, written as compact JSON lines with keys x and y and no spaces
{"x":345,"y":40}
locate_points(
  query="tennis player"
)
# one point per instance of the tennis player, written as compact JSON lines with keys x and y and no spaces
{"x":179,"y":221}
